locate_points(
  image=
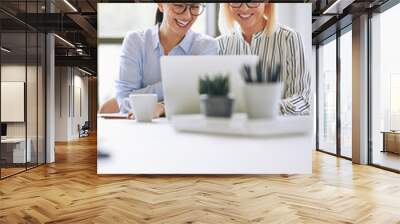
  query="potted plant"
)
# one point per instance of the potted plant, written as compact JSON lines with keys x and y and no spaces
{"x":214,"y":98}
{"x":262,"y":92}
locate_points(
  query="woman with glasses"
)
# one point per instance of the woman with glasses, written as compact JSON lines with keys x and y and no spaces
{"x":139,"y":70}
{"x":252,"y":29}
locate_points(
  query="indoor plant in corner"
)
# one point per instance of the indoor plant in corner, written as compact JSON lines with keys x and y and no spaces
{"x":214,"y":98}
{"x":262,"y":92}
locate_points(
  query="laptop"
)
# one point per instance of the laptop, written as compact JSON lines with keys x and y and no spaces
{"x":180,"y":77}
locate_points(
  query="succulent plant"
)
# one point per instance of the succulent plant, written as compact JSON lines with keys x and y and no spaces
{"x":260,"y":77}
{"x":215,"y":85}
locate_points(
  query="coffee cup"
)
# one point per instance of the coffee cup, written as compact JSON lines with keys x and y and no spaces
{"x":143,"y":106}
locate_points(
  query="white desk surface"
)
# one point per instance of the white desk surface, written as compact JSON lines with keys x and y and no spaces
{"x":156,"y":148}
{"x":19,"y":151}
{"x":13,"y":140}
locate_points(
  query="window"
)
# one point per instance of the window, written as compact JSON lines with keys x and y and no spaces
{"x":346,"y":94}
{"x":335,"y":74}
{"x":385,"y":89}
{"x":327,"y":97}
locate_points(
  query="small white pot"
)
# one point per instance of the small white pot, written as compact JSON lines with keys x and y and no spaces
{"x":263,"y":100}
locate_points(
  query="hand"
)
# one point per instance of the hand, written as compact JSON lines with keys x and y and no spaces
{"x":160,"y":111}
{"x":131,"y":116}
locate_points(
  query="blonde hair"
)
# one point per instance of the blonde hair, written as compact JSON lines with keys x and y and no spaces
{"x":227,"y":23}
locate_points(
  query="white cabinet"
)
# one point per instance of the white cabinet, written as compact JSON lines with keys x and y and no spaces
{"x":12,"y":101}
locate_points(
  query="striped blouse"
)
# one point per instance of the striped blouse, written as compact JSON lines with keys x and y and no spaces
{"x":283,"y":47}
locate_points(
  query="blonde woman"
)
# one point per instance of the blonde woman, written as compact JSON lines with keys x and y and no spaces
{"x":251,"y":28}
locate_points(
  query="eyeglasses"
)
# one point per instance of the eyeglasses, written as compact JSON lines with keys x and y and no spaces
{"x":249,"y":5}
{"x":194,"y":9}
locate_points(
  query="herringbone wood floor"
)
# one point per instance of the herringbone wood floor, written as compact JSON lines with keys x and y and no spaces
{"x":70,"y":191}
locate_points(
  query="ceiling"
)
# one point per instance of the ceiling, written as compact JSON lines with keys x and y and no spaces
{"x":76,"y":22}
{"x":77,"y":25}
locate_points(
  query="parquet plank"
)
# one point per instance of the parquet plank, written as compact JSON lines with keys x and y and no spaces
{"x":70,"y":191}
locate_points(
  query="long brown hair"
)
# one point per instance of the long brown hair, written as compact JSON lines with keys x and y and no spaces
{"x":159,"y":17}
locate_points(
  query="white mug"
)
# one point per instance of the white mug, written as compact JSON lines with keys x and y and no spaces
{"x":143,"y":106}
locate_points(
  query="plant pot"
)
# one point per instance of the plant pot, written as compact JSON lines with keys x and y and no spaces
{"x":216,"y":106}
{"x":263,"y":100}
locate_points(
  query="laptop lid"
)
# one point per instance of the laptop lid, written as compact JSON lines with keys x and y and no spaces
{"x":180,"y":78}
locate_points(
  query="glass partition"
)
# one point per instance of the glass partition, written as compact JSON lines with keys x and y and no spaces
{"x":13,"y":105}
{"x":22,"y":91}
{"x":31,"y":100}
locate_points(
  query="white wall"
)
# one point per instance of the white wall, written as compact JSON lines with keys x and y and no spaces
{"x":61,"y":104}
{"x":80,"y":103}
{"x":132,"y":16}
{"x":108,"y":65}
{"x":70,"y":84}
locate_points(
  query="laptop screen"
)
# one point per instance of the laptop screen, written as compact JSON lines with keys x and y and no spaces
{"x":3,"y":129}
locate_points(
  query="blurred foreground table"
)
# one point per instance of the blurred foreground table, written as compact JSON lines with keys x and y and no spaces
{"x":128,"y":147}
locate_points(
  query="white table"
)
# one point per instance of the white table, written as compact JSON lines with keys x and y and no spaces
{"x":156,"y":148}
{"x":18,"y":144}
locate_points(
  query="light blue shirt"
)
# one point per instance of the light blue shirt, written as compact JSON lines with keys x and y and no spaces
{"x":139,"y":70}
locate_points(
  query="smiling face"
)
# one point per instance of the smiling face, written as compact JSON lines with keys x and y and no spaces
{"x":178,"y":23}
{"x":248,"y":18}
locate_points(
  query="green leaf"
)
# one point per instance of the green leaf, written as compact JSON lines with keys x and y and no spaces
{"x":214,"y":85}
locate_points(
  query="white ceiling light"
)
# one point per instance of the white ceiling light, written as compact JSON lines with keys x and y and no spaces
{"x":338,"y":6}
{"x":79,"y":51}
{"x":65,"y":41}
{"x":70,"y":5}
{"x":5,"y":50}
{"x":84,"y":71}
